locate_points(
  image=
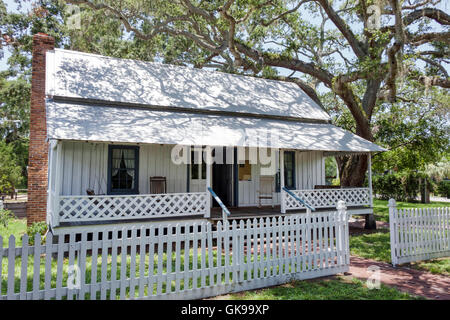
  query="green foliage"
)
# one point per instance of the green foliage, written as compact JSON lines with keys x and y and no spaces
{"x":36,"y":227}
{"x":439,"y":170}
{"x":443,"y":188}
{"x":404,"y":186}
{"x":5,"y":217}
{"x":330,"y":167}
{"x":10,"y":171}
{"x":415,"y":133}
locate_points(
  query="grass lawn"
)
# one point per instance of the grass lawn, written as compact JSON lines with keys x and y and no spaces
{"x":336,"y":288}
{"x":17,"y":227}
{"x":381,"y":210}
{"x":376,"y":246}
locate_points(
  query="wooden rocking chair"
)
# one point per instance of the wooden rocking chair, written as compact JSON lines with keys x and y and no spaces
{"x":158,"y":185}
{"x":266,"y":189}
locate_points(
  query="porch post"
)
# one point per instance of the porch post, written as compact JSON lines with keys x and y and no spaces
{"x":208,"y":179}
{"x":58,"y":182}
{"x":369,"y":159}
{"x":282,"y":192}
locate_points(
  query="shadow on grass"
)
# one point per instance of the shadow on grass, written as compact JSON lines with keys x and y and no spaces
{"x":335,"y":288}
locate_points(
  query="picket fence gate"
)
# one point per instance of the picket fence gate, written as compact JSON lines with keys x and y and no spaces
{"x":176,"y":261}
{"x":419,"y":233}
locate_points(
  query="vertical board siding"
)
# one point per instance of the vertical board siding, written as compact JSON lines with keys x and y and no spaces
{"x":418,"y":234}
{"x":309,"y":171}
{"x":177,"y":260}
{"x":85,"y":167}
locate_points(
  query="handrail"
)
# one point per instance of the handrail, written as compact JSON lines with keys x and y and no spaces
{"x":224,"y":209}
{"x":298,"y":199}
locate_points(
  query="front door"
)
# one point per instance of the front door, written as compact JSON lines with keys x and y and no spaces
{"x":197,"y":174}
{"x":222,"y":181}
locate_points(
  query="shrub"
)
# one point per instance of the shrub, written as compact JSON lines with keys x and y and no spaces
{"x":36,"y":227}
{"x":443,"y":188}
{"x":388,"y":186}
{"x":5,"y":217}
{"x":402,"y":186}
{"x":10,"y":171}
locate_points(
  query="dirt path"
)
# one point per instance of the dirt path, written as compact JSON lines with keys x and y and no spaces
{"x":416,"y":282}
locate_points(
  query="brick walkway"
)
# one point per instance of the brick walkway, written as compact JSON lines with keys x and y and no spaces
{"x":420,"y":283}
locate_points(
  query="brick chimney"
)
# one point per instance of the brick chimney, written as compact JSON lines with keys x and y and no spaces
{"x":38,"y":149}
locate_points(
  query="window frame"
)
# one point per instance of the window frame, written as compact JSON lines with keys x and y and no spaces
{"x":294,"y":181}
{"x":135,"y":190}
{"x":201,"y":167}
{"x":293,"y":170}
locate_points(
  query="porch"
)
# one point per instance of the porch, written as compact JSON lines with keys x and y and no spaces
{"x":108,"y":209}
{"x":99,"y":183}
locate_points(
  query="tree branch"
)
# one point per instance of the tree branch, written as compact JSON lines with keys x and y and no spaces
{"x":434,"y":81}
{"x":358,"y":47}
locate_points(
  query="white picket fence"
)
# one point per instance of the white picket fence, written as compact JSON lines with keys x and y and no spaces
{"x":418,"y":234}
{"x":177,"y":261}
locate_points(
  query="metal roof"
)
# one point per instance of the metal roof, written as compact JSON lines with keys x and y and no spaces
{"x":104,"y":123}
{"x":93,"y":77}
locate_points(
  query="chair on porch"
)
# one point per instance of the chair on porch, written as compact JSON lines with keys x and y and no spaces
{"x":266,"y":189}
{"x":158,"y":185}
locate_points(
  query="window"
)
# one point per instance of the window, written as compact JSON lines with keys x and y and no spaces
{"x":198,"y":170}
{"x":289,"y":172}
{"x":245,"y":171}
{"x":289,"y":169}
{"x":123,"y":165}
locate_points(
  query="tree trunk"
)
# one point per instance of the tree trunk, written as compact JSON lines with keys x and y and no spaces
{"x":352,"y":170}
{"x":424,"y":191}
{"x":352,"y":173}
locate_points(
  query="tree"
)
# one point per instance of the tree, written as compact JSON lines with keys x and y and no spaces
{"x":340,"y":46}
{"x":358,"y":50}
{"x":10,"y":172}
{"x":105,"y":36}
{"x":358,"y":67}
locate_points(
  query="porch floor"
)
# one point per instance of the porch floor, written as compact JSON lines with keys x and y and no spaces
{"x":216,"y":215}
{"x":268,"y":211}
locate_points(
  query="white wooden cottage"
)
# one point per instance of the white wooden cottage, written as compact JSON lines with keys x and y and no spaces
{"x":126,"y":137}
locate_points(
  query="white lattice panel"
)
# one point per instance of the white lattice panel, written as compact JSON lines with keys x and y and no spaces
{"x":328,"y":198}
{"x":97,"y":208}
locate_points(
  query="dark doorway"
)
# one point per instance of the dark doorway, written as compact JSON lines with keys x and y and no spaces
{"x":222,"y":182}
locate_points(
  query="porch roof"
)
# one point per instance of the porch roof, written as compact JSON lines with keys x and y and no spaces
{"x":103,"y":123}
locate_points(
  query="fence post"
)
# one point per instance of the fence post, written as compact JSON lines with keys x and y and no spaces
{"x":343,"y":232}
{"x":1,"y":204}
{"x":392,"y":205}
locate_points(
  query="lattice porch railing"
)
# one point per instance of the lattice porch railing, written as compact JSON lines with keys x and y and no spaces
{"x":328,"y":198}
{"x":125,"y":207}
